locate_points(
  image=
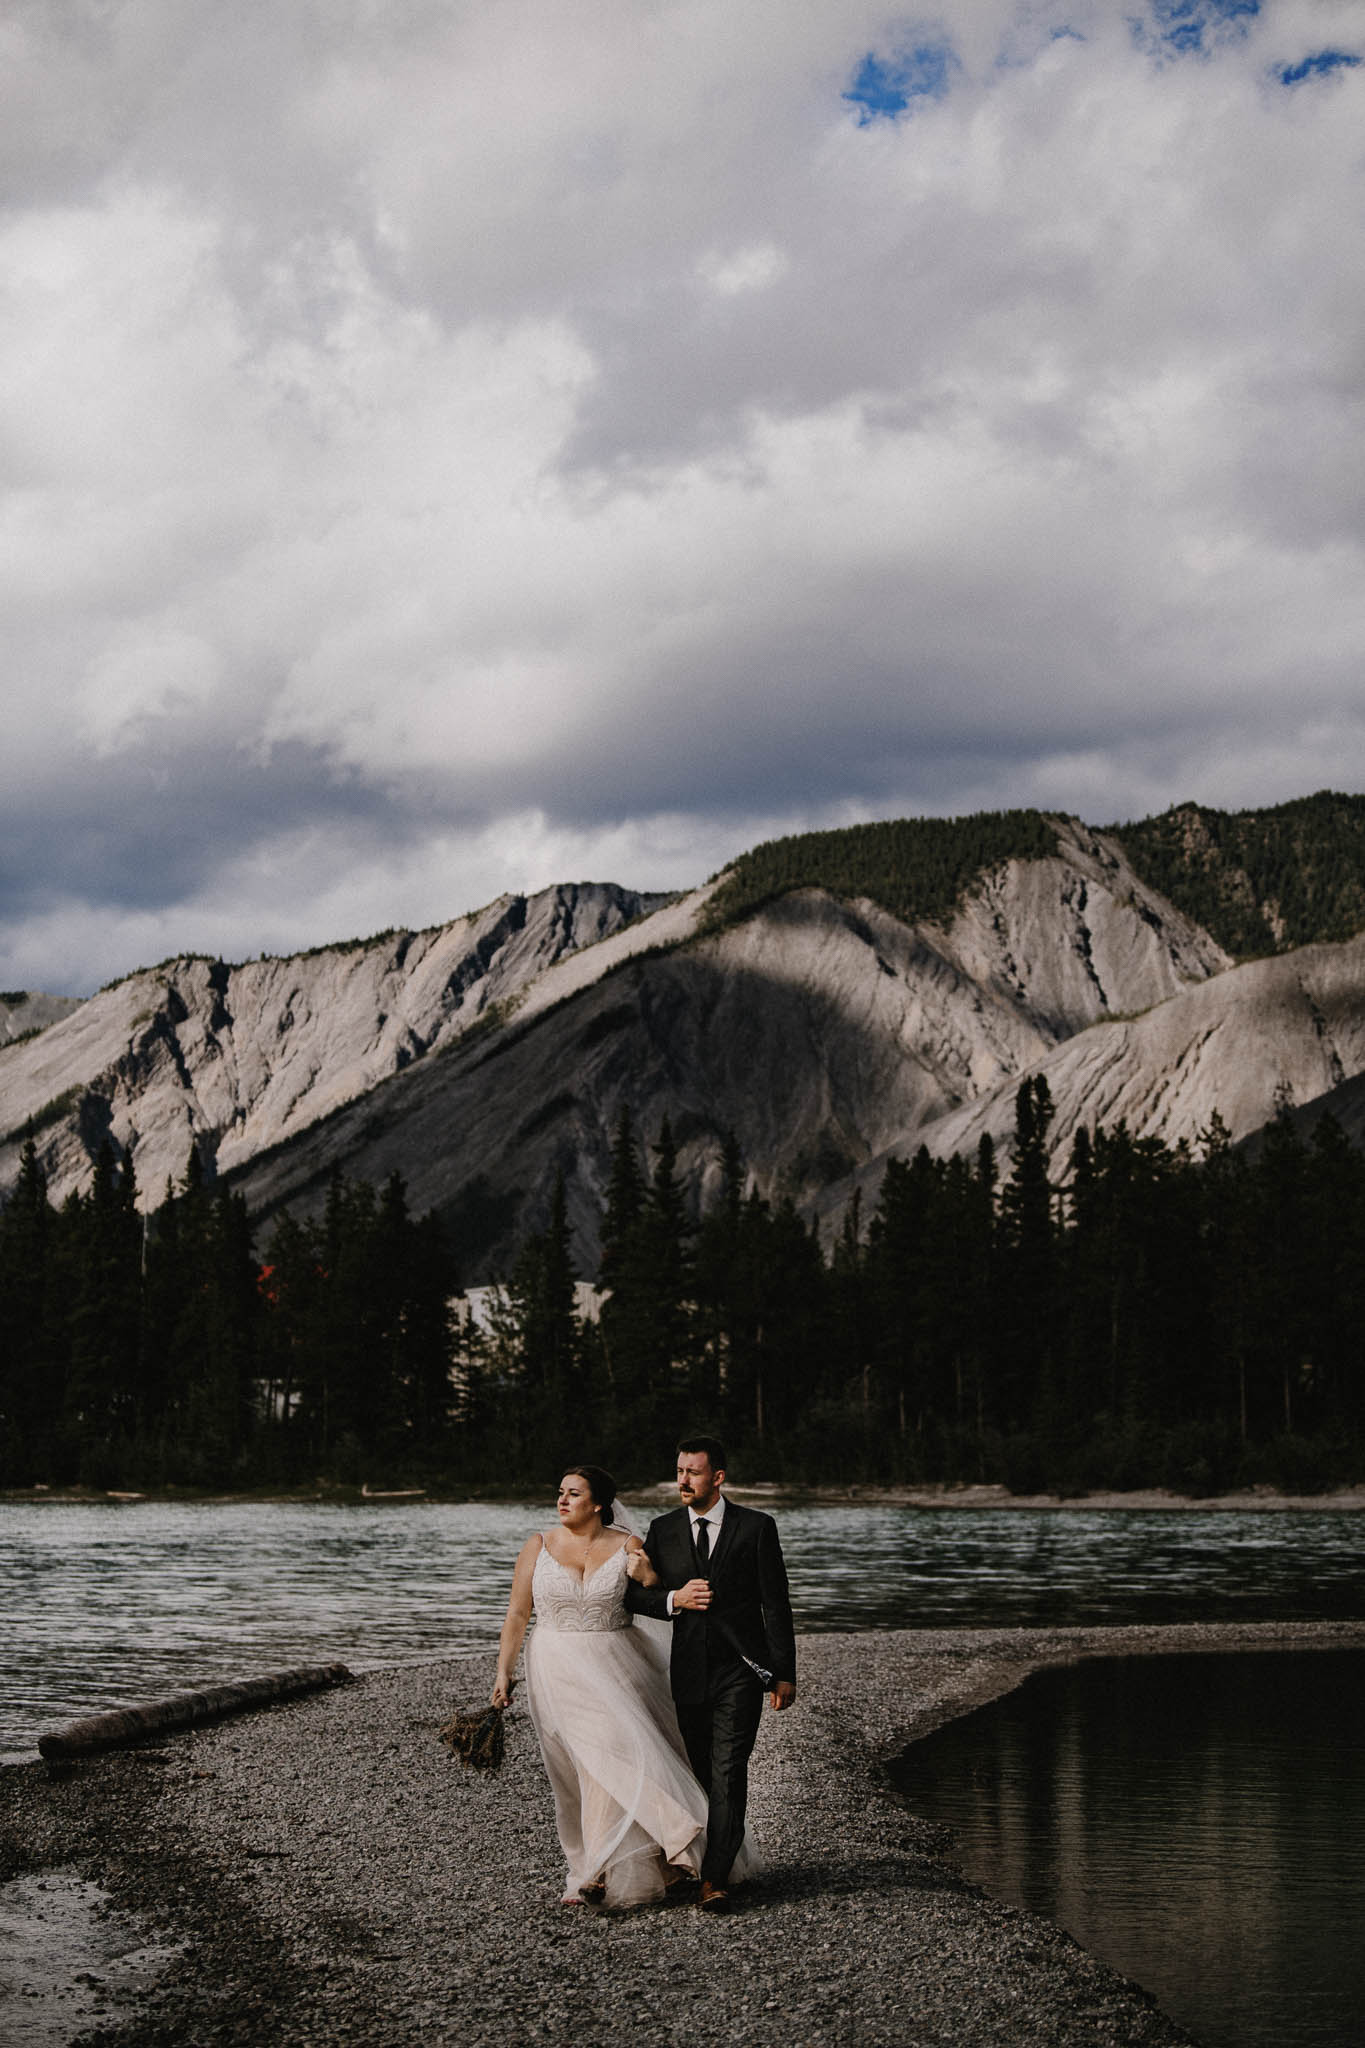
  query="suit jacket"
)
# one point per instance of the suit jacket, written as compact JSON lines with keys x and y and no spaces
{"x":750,"y":1613}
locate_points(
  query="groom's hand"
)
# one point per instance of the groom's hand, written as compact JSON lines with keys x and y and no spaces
{"x":782,"y":1695}
{"x":696,"y":1593}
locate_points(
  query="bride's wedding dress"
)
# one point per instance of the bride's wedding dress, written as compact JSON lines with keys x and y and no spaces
{"x":626,"y":1802}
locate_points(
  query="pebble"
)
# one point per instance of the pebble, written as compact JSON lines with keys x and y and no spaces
{"x":326,"y":1872}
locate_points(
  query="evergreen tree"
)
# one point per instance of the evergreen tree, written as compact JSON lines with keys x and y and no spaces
{"x":102,"y":1234}
{"x":549,"y":1337}
{"x":31,"y":1360}
{"x":1028,"y":1268}
{"x":625,"y":1201}
{"x":645,"y":1321}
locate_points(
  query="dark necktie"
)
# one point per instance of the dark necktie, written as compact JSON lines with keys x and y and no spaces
{"x":703,"y":1539}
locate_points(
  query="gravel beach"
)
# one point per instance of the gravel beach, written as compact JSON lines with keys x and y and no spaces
{"x":326,"y":1872}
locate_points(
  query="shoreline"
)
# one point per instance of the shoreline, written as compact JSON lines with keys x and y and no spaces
{"x":947,"y":1496}
{"x":325,"y":1872}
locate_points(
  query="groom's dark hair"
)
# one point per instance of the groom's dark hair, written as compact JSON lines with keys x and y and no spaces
{"x":709,"y":1447}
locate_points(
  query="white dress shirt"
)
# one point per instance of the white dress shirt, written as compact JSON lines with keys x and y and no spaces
{"x":713,"y":1517}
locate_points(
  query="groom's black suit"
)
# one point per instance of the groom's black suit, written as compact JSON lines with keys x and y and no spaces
{"x":718,"y":1696}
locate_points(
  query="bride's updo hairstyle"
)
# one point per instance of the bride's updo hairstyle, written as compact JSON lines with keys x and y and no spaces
{"x":601,"y":1486}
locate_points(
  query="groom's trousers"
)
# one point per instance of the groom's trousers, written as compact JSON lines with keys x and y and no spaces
{"x":718,"y":1734}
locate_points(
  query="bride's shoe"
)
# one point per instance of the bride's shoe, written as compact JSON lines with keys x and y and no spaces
{"x":594,"y":1893}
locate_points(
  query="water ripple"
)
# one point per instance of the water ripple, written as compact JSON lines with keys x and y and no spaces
{"x":102,"y":1605}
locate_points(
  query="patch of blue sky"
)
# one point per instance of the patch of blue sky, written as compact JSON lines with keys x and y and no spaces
{"x":1190,"y":28}
{"x":1320,"y":65}
{"x":886,"y":86}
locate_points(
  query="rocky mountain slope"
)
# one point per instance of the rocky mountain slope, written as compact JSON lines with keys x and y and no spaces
{"x":820,"y":1032}
{"x":24,"y":1013}
{"x":1267,"y":1036}
{"x":826,"y":1031}
{"x":233,"y":1060}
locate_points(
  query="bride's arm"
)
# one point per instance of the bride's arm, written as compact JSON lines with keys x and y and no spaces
{"x":514,"y":1628}
{"x":638,"y":1565}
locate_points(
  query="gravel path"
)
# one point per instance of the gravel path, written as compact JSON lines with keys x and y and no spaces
{"x":335,"y":1876}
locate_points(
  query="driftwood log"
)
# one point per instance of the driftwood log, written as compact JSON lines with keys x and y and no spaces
{"x":185,"y":1710}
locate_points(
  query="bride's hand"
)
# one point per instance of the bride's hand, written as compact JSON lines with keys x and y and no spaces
{"x":503,"y":1689}
{"x":638,"y":1565}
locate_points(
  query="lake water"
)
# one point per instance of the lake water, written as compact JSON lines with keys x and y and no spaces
{"x":1199,"y":1822}
{"x":101,"y":1605}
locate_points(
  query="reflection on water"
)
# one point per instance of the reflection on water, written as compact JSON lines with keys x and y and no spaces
{"x":1199,"y":1822}
{"x":100,"y":1605}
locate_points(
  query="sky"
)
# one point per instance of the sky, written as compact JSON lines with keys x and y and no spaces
{"x":454,"y":446}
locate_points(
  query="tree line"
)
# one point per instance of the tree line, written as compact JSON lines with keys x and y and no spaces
{"x":1187,"y":1316}
{"x":913,"y":867}
{"x":1260,"y":881}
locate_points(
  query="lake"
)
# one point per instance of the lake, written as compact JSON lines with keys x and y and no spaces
{"x":1197,"y":1821}
{"x":104,"y":1604}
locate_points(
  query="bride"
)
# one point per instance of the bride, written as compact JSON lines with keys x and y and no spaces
{"x":631,"y":1815}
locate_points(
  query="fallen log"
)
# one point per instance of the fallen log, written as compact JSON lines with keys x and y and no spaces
{"x":185,"y":1710}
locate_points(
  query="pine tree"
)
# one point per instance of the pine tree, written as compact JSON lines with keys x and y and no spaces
{"x":625,"y":1201}
{"x":646,"y":1317}
{"x":1028,"y":1264}
{"x":31,"y":1360}
{"x":103,"y":1248}
{"x":549,"y":1336}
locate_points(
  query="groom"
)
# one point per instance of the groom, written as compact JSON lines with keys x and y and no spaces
{"x":724,"y":1587}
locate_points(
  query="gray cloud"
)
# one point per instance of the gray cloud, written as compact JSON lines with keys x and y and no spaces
{"x":448,"y":448}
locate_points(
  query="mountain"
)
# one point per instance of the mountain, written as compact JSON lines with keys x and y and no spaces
{"x":819,"y":1032}
{"x":234,"y":1060}
{"x":832,"y":1001}
{"x":1259,"y":881}
{"x":24,"y":1013}
{"x":1261,"y":1039}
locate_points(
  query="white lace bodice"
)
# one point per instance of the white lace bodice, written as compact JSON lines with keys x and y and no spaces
{"x":583,"y":1607}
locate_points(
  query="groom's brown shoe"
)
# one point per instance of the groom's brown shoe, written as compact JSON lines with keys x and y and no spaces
{"x":713,"y":1898}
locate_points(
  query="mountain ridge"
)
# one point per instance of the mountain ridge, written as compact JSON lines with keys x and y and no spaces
{"x":824,"y":1029}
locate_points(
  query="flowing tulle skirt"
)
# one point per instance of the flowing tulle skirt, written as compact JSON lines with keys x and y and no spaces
{"x":626,"y":1802}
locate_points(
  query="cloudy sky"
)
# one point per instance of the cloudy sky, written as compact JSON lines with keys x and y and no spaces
{"x":456,"y":445}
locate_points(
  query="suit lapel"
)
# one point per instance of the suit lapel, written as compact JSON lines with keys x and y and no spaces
{"x":679,"y":1537}
{"x":729,"y":1523}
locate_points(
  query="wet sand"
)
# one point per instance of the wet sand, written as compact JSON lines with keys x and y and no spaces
{"x":325,"y":1872}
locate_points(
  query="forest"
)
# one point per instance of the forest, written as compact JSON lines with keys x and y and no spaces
{"x":1259,"y":881}
{"x":916,"y":868}
{"x":1186,"y":1316}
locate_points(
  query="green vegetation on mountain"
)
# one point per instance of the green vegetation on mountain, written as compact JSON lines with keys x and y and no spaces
{"x":1259,"y":881}
{"x":916,"y":868}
